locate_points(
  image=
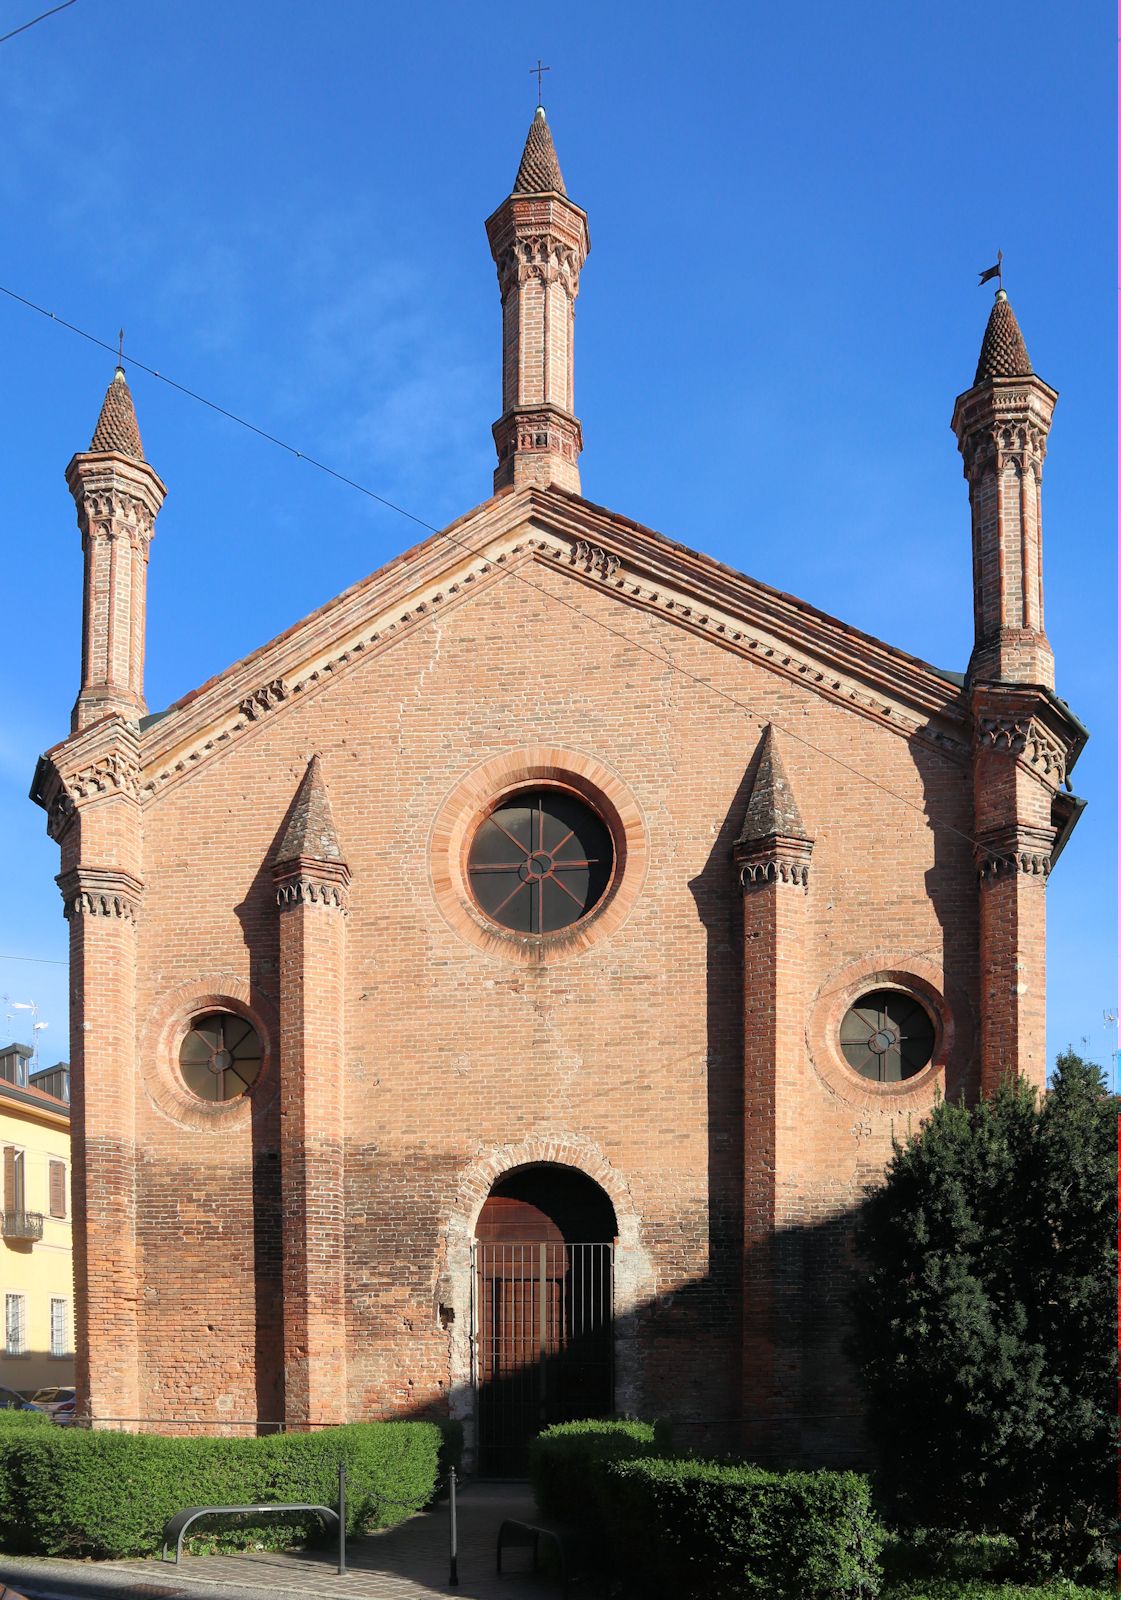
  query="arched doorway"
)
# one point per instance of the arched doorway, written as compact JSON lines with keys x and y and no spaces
{"x":544,"y":1299}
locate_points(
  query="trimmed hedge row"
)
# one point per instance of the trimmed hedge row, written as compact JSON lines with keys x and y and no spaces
{"x":694,"y":1528}
{"x":683,"y":1528}
{"x":65,"y":1491}
{"x":562,"y":1459}
{"x":11,"y":1418}
{"x":980,"y":1589}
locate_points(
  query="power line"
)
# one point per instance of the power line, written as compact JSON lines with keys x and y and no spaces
{"x":753,"y":712}
{"x":38,"y":961}
{"x":41,"y":18}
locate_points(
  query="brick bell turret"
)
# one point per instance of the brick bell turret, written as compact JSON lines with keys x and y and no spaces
{"x":1002,"y":425}
{"x":118,"y":497}
{"x":1022,"y":735}
{"x":539,"y":241}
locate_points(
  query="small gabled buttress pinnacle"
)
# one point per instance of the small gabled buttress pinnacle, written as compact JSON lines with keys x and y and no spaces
{"x":772,"y":810}
{"x":310,"y":834}
{"x":1003,"y":351}
{"x":117,"y":428}
{"x":540,"y":170}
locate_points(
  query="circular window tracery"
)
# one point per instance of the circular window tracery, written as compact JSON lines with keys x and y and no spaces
{"x":540,"y":861}
{"x":220,"y":1056}
{"x":887,"y":1035}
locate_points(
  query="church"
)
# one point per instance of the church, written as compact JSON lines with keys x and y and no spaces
{"x":493,"y":996}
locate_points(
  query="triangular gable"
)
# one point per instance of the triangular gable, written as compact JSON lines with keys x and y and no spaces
{"x":642,"y":568}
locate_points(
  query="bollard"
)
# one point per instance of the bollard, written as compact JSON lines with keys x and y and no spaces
{"x":342,"y":1516}
{"x":453,"y":1535}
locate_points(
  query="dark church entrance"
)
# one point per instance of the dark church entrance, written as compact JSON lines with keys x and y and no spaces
{"x":543,"y":1282}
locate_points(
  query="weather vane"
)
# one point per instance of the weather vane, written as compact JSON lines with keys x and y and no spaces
{"x":539,"y":70}
{"x":121,"y":348}
{"x":994,"y":272}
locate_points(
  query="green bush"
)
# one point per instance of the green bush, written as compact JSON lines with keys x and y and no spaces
{"x":692,"y":1528}
{"x":451,"y":1445}
{"x":979,"y":1589}
{"x":986,"y":1321}
{"x":562,"y":1458}
{"x":65,"y":1491}
{"x":949,"y":1553}
{"x":11,"y":1418}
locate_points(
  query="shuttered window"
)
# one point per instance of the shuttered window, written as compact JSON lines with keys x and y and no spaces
{"x":60,"y":1326}
{"x":15,"y":1325}
{"x":13,"y":1178}
{"x":58,"y":1188}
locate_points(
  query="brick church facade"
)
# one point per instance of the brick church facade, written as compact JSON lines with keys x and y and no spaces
{"x":493,"y":996}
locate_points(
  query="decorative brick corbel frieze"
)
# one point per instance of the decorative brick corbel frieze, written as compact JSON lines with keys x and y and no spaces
{"x":1012,"y":850}
{"x":1026,"y":722}
{"x":1027,"y":738}
{"x":778,"y":858}
{"x":264,"y":699}
{"x":308,"y":882}
{"x":63,"y":782}
{"x":100,"y":892}
{"x":115,"y":771}
{"x":593,"y":558}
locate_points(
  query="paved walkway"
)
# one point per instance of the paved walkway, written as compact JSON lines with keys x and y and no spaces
{"x":409,"y":1562}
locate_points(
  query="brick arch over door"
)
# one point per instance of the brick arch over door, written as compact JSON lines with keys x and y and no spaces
{"x":634,"y":1276}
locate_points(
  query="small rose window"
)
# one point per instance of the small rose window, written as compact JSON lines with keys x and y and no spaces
{"x":220,"y":1058}
{"x":887,"y":1036}
{"x":540,"y":861}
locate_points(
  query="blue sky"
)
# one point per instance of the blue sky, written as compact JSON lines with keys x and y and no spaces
{"x":284,"y":205}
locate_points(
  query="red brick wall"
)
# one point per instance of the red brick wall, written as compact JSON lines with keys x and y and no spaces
{"x":635,"y":1046}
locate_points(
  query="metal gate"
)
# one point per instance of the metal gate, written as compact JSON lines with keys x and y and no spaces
{"x":544,"y":1350}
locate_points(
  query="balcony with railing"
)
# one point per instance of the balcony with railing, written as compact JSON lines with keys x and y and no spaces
{"x":21,"y":1226}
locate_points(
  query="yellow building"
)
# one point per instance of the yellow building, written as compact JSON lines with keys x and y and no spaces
{"x":36,"y":1271}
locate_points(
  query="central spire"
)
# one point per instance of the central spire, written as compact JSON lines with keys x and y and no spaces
{"x":539,"y":241}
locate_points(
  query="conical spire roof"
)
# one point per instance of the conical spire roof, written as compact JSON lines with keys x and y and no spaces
{"x":772,"y":808}
{"x":117,"y":428}
{"x":539,"y":169}
{"x":310,"y":833}
{"x":1003,"y":351}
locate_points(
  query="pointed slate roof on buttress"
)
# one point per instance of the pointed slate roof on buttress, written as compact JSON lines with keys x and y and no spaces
{"x":772,"y":808}
{"x":117,"y":428}
{"x":539,"y":169}
{"x":1003,"y":351}
{"x":310,"y":834}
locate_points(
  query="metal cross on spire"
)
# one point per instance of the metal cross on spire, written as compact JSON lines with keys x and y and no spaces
{"x":540,"y":71}
{"x":120,"y":349}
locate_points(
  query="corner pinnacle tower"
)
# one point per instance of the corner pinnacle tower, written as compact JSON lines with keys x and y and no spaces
{"x":539,"y":241}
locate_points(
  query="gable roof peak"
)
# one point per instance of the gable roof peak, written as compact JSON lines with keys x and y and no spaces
{"x":772,"y":809}
{"x":310,"y":834}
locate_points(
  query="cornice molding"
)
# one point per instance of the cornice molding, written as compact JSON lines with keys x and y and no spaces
{"x":1026,"y":722}
{"x":100,"y":892}
{"x":103,"y":759}
{"x":308,"y":882}
{"x":1007,"y":852}
{"x":777,"y":858}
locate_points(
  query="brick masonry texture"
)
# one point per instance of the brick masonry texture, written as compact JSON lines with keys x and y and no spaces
{"x":288,"y":843}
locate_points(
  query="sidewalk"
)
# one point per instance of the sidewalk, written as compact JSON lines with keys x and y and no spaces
{"x":409,"y":1562}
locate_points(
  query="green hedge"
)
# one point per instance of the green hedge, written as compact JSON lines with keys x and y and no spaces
{"x":979,"y":1589}
{"x":65,"y":1491}
{"x":562,"y":1458}
{"x":693,"y":1528}
{"x":11,"y":1418}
